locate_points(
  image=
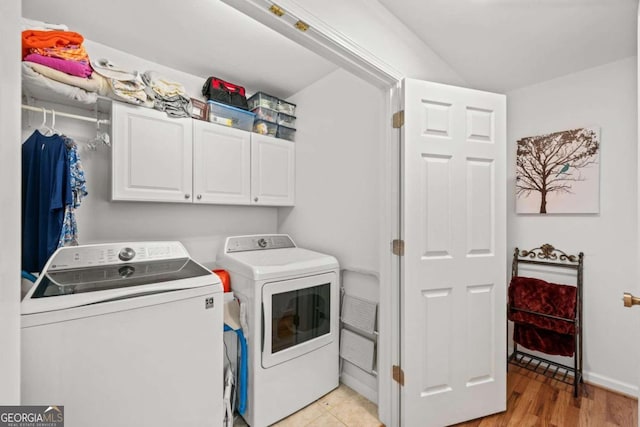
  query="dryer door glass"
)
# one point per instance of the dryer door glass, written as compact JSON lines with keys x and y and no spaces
{"x":299,"y":316}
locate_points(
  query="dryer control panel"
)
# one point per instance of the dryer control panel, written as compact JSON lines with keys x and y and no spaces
{"x":258,"y":243}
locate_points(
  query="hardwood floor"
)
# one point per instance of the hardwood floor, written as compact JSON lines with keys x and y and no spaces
{"x":533,"y":400}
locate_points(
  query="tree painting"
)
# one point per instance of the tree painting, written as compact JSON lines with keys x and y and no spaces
{"x":559,"y":171}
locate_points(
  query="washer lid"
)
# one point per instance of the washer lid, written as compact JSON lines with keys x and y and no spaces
{"x":82,"y":282}
{"x":268,"y":264}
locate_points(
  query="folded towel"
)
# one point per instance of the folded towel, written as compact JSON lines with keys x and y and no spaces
{"x":74,"y":68}
{"x":71,"y":52}
{"x":131,"y":91}
{"x":41,"y":87}
{"x":540,"y":296}
{"x":168,"y":96}
{"x":109,"y":70}
{"x":162,"y":86}
{"x":32,"y":39}
{"x":543,"y":340}
{"x":93,"y":83}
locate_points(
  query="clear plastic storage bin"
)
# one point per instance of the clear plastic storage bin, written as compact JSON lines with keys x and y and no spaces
{"x":263,"y":113}
{"x":286,"y":120}
{"x":286,"y":107}
{"x":286,"y":133}
{"x":227,"y":115}
{"x":264,"y":127}
{"x":261,"y":99}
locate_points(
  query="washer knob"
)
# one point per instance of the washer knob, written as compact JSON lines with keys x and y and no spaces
{"x":126,"y":254}
{"x":262,"y":243}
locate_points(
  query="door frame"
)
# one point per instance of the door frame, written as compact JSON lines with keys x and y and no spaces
{"x":325,"y":41}
{"x":638,"y":155}
{"x":10,"y":193}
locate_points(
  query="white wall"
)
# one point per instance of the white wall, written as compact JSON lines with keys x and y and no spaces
{"x":10,"y":12}
{"x":200,"y":227}
{"x":337,"y":186}
{"x":605,"y":96}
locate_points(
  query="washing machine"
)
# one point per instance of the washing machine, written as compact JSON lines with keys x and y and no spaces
{"x":125,"y":334}
{"x":289,"y":300}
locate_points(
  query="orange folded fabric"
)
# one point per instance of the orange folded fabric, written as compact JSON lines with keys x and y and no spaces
{"x":71,"y":53}
{"x":33,"y":39}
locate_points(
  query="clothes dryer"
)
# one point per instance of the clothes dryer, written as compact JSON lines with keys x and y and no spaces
{"x":290,"y":297}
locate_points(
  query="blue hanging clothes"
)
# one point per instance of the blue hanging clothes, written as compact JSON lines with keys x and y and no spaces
{"x":78,"y":183}
{"x":46,"y":190}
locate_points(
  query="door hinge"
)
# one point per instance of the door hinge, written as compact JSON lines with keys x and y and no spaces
{"x":276,"y":10}
{"x":398,"y":375}
{"x":397,"y":247}
{"x":398,"y":119}
{"x":302,"y":26}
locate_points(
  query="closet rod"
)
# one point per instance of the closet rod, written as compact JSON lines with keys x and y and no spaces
{"x":71,"y":116}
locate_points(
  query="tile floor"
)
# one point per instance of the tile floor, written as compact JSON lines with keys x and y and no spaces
{"x":342,"y":407}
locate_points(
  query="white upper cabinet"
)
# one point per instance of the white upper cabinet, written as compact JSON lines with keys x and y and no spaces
{"x":221,"y":164}
{"x":160,"y":159}
{"x":152,"y":155}
{"x":272,"y":171}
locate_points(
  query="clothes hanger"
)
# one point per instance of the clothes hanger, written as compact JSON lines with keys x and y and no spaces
{"x":101,"y":137}
{"x":52,"y":128}
{"x":49,"y":130}
{"x":43,"y":126}
{"x":91,"y":145}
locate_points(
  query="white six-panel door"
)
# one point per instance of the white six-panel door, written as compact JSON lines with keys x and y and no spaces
{"x":454,"y":265}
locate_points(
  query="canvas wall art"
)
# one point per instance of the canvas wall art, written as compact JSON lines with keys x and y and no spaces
{"x":559,"y":172}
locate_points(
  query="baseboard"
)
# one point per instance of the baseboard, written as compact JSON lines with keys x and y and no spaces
{"x":611,"y":384}
{"x":359,"y":387}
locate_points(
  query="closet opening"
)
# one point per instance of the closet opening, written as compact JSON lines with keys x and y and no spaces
{"x":346,"y":152}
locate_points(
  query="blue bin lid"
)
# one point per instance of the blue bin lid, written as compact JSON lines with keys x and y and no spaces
{"x":231,"y":107}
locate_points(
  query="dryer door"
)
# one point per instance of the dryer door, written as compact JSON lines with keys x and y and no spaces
{"x":299,"y":316}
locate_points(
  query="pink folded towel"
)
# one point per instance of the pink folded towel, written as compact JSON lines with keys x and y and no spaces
{"x":74,"y":68}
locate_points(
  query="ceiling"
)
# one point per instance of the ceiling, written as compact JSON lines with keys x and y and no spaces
{"x":199,"y":37}
{"x":496,"y":45}
{"x":500,"y":45}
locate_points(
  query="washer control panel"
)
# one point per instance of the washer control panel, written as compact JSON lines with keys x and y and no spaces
{"x":115,"y":253}
{"x":258,"y":243}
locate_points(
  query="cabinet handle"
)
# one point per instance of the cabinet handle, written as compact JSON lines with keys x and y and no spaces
{"x":187,"y":196}
{"x":199,"y":196}
{"x":255,"y":199}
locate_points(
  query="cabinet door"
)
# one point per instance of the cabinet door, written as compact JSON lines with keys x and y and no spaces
{"x":152,"y":155}
{"x":272,"y":171}
{"x":221,"y":164}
